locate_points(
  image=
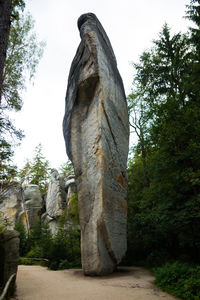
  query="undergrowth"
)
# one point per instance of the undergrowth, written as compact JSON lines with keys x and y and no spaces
{"x":179,"y":279}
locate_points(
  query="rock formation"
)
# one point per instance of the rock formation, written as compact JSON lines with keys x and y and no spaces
{"x":11,"y":205}
{"x":32,"y":203}
{"x":70,"y":187}
{"x":21,"y":204}
{"x":25,"y":204}
{"x":56,"y":195}
{"x":96,"y":132}
{"x":56,"y":200}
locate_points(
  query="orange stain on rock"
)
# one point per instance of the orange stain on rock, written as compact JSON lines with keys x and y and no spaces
{"x":97,"y":150}
{"x":120,"y":180}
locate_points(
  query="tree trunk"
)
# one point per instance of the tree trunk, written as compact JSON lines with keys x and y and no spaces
{"x":5,"y":14}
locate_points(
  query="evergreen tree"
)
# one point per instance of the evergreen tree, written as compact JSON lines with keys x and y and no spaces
{"x":193,"y":14}
{"x":36,"y":171}
{"x":66,"y":169}
{"x":164,"y":215}
{"x":19,"y":226}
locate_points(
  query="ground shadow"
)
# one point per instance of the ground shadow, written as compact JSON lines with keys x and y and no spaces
{"x":120,"y":272}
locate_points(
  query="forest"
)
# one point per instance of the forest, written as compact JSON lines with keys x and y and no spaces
{"x":163,"y":168}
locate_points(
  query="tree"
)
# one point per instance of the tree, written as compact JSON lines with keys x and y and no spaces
{"x":139,"y":119}
{"x":19,"y":226}
{"x":193,"y":14}
{"x":25,"y":173}
{"x":36,"y":171}
{"x":164,"y":214}
{"x":66,"y":169}
{"x":5,"y":15}
{"x":23,"y":55}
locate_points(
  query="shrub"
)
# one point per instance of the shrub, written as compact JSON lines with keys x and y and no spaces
{"x":23,"y":246}
{"x":35,"y":252}
{"x":64,"y":264}
{"x":179,"y":279}
{"x":64,"y":251}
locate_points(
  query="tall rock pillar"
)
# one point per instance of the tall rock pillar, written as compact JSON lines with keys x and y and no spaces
{"x":96,"y":132}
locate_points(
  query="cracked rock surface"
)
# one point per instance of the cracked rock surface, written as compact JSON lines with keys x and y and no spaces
{"x":96,"y":132}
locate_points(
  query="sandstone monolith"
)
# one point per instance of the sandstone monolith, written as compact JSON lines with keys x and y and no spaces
{"x":56,"y":195}
{"x":32,"y":203}
{"x":11,"y":204}
{"x":55,"y":200}
{"x":96,"y":132}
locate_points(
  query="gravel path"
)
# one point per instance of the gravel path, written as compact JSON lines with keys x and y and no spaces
{"x":39,"y":283}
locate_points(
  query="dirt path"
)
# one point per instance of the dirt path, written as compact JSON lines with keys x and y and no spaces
{"x":38,"y":283}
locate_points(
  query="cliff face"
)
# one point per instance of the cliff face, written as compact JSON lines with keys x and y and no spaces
{"x":96,"y":132}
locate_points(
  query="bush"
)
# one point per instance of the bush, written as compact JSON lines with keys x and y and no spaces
{"x":30,"y":262}
{"x":179,"y":279}
{"x":64,"y":252}
{"x":35,"y":252}
{"x":64,"y":264}
{"x":53,"y":265}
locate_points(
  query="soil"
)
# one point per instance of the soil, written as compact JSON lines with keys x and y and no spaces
{"x":130,"y":283}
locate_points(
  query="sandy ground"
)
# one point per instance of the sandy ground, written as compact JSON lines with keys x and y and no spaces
{"x":38,"y":283}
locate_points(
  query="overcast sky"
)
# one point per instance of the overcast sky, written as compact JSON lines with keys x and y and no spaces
{"x":130,"y":25}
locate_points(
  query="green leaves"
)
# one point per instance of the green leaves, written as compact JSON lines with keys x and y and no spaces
{"x":36,"y":171}
{"x":23,"y":55}
{"x":164,"y":185}
{"x":179,"y":279}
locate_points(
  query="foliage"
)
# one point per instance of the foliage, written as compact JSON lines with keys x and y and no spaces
{"x":4,"y":222}
{"x":61,"y":250}
{"x":23,"y":55}
{"x":66,"y":169}
{"x":31,"y":262}
{"x":179,"y":279}
{"x":65,"y":249}
{"x":70,"y":215}
{"x":19,"y":226}
{"x":164,"y":186}
{"x":36,"y":171}
{"x":73,"y":209}
{"x":7,"y":170}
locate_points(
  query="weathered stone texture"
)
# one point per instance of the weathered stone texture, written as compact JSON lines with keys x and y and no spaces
{"x":96,"y":132}
{"x":70,"y":187}
{"x":32,"y":203}
{"x":11,"y":204}
{"x":56,"y":195}
{"x":55,"y":201}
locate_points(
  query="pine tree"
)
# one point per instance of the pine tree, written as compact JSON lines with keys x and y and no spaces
{"x":164,"y":215}
{"x":66,"y":169}
{"x":36,"y":171}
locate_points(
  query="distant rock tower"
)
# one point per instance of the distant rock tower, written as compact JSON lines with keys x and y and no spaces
{"x":96,"y":132}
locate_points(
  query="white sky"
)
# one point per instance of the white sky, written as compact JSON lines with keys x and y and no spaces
{"x":130,"y":25}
